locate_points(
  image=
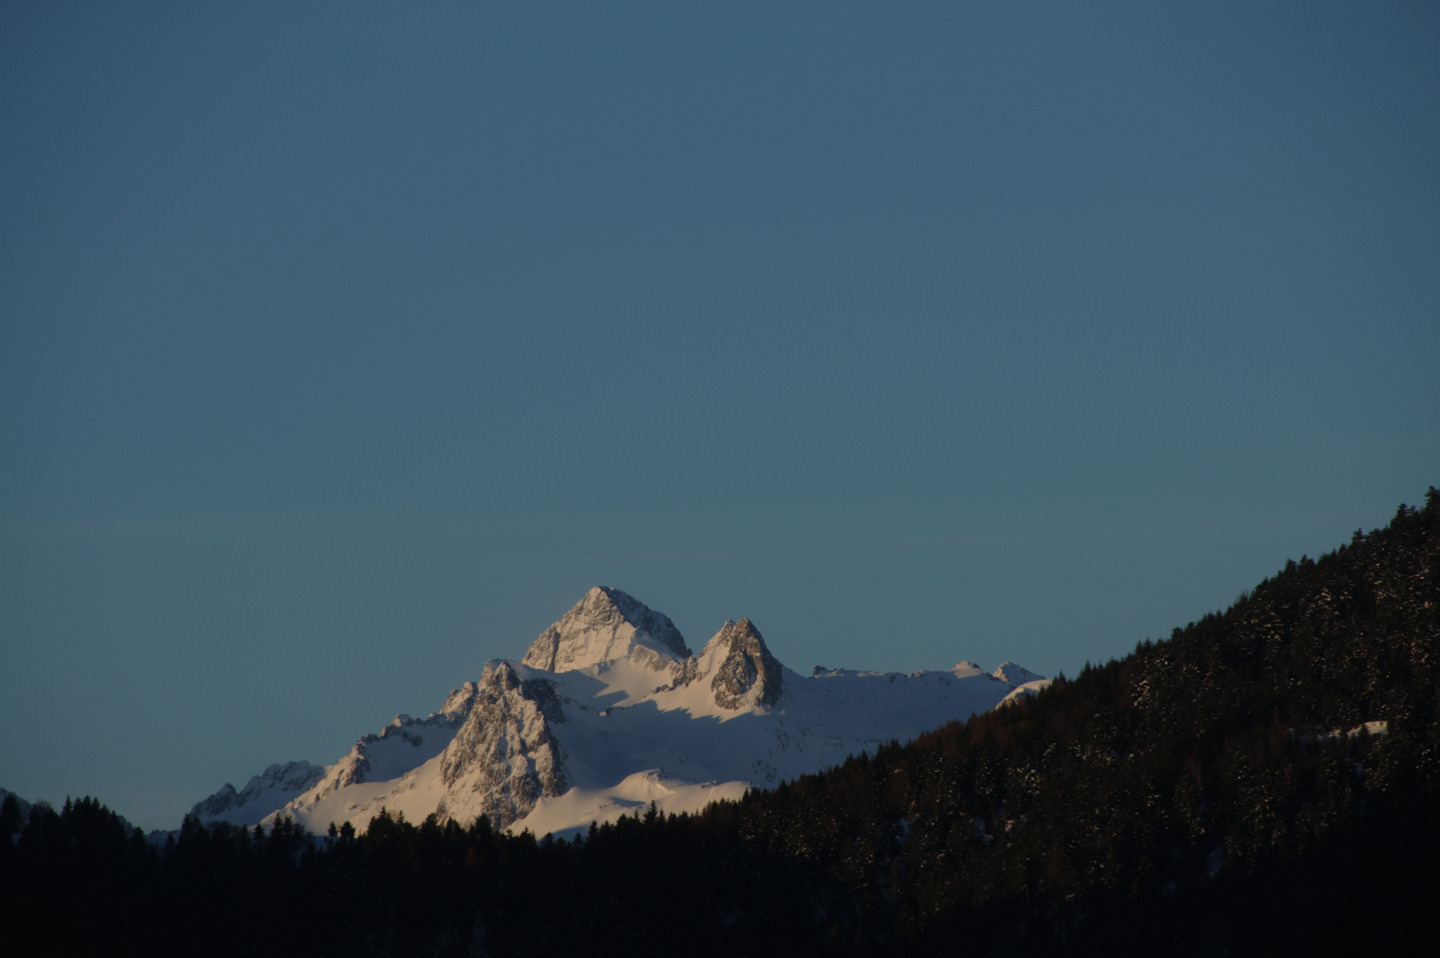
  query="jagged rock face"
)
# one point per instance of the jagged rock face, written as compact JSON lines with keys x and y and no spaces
{"x":744,"y":672}
{"x":459,"y":701}
{"x":613,"y":682}
{"x":605,"y":626}
{"x":420,"y":738}
{"x":506,"y":751}
{"x":261,"y":794}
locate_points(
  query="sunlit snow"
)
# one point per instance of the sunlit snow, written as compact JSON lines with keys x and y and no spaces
{"x":646,"y":725}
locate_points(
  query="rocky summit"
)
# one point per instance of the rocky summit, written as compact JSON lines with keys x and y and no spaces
{"x":607,"y":712}
{"x":745,"y":671}
{"x":604,"y":626}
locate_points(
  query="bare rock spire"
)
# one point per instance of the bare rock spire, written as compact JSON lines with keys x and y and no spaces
{"x":743,"y":672}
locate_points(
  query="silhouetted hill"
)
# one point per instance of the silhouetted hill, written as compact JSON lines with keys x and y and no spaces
{"x":1265,"y":778}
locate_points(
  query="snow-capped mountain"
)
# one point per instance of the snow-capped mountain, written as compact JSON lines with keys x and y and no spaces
{"x":260,"y":797}
{"x":605,"y":626}
{"x":608,"y":711}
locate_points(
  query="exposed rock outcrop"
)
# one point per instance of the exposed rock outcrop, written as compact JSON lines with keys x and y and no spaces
{"x":261,"y":795}
{"x":506,"y":752}
{"x":403,"y":744}
{"x":458,"y":702}
{"x":743,"y":672}
{"x":609,"y":710}
{"x":605,"y":626}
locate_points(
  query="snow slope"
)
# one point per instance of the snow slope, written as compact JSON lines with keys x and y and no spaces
{"x":260,"y":797}
{"x":609,"y":711}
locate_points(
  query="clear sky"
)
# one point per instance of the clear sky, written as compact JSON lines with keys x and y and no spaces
{"x":343,"y":347}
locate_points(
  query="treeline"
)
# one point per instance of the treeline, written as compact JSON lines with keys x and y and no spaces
{"x":1219,"y":791}
{"x":1227,"y":790}
{"x":80,"y":881}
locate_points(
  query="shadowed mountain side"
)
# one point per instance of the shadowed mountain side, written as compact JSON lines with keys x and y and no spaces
{"x":509,"y":744}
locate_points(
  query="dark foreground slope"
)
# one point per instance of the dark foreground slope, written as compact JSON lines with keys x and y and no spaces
{"x":1223,"y":791}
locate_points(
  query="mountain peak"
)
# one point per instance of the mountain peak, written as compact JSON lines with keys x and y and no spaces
{"x":604,"y":626}
{"x":609,"y":709}
{"x":744,"y":672}
{"x":1015,"y":675}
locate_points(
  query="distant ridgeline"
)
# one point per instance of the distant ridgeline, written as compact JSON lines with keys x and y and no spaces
{"x":1264,"y":781}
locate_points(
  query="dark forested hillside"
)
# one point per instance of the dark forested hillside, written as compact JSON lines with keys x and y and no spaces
{"x":1266,"y":778}
{"x":1264,"y":781}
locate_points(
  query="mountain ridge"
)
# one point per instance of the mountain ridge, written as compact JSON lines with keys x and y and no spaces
{"x":624,"y":715}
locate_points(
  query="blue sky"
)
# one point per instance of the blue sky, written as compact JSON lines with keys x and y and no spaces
{"x":343,"y":348}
